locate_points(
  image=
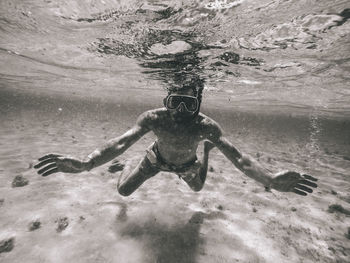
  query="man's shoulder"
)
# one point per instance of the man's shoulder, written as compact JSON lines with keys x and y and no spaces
{"x":208,"y":126}
{"x":206,"y":121}
{"x":151,"y":116}
{"x":154,"y":113}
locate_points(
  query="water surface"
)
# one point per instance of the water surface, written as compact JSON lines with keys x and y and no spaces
{"x":290,"y":56}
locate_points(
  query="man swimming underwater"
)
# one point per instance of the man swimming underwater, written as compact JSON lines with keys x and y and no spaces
{"x":179,"y":128}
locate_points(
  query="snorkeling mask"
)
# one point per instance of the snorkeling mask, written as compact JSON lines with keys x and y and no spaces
{"x":172,"y":102}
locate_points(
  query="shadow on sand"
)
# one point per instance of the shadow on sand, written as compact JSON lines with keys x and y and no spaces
{"x":183,"y":242}
{"x":179,"y":243}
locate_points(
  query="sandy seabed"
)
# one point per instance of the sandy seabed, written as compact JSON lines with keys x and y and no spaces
{"x":82,"y":218}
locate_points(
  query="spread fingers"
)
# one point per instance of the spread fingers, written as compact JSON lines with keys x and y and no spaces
{"x":42,"y":163}
{"x":49,"y":156}
{"x":299,"y":192}
{"x":309,"y":177}
{"x":304,"y":188}
{"x":54,"y":170}
{"x":308,"y":183}
{"x":46,"y":168}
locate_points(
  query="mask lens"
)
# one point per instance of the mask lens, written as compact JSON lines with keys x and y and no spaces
{"x":191,"y":103}
{"x":173,"y":102}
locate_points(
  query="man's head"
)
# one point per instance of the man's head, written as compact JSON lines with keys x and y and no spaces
{"x":183,"y":104}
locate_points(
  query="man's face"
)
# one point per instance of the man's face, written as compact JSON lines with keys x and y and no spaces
{"x":181,"y":114}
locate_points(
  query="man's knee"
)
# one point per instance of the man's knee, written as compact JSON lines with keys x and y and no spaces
{"x":196,"y":185}
{"x":124,"y":191}
{"x":197,"y":188}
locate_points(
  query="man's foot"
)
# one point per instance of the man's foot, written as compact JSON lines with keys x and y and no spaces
{"x":116,"y":167}
{"x":208,"y":146}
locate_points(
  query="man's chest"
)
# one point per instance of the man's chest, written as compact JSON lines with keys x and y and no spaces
{"x":179,"y":135}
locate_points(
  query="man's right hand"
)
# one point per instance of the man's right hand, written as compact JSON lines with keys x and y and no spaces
{"x":54,"y":163}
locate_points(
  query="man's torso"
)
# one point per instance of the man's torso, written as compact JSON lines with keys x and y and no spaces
{"x":177,"y":142}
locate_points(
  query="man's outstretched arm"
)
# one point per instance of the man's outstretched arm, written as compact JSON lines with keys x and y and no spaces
{"x":53,"y":163}
{"x":117,"y":146}
{"x":243,"y":162}
{"x":284,"y":182}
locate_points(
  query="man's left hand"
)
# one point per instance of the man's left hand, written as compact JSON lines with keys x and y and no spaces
{"x":300,"y":184}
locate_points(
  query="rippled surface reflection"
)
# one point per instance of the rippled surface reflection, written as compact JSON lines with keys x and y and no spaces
{"x":287,"y":55}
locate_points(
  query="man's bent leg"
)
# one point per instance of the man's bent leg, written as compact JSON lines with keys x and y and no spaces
{"x":196,"y":182}
{"x":129,"y":181}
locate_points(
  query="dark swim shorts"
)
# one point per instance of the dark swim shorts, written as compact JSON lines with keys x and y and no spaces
{"x":187,"y":171}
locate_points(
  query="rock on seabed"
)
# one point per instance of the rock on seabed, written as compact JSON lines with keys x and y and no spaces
{"x":7,"y":245}
{"x":19,"y":181}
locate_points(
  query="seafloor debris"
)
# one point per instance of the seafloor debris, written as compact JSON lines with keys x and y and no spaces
{"x":348,"y":234}
{"x":338,"y":208}
{"x":116,"y":167}
{"x":62,"y":224}
{"x":7,"y":245}
{"x":19,"y":181}
{"x":34,"y":225}
{"x":220,"y":207}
